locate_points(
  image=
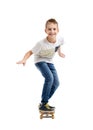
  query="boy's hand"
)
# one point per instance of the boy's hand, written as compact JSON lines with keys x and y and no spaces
{"x":62,"y":55}
{"x":21,"y":62}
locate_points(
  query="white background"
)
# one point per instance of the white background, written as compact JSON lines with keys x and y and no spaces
{"x":21,"y":26}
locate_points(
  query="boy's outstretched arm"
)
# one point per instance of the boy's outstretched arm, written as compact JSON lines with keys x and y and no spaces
{"x":26,"y":56}
{"x":60,"y":53}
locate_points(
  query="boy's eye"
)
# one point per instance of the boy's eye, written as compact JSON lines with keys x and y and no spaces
{"x":52,"y":29}
{"x":49,"y":29}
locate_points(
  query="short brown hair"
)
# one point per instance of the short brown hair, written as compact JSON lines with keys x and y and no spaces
{"x":51,"y":21}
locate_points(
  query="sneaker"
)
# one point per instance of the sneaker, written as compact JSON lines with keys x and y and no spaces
{"x":45,"y":107}
{"x":52,"y":107}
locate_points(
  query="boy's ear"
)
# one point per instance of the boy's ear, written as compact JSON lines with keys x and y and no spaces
{"x":58,"y":29}
{"x":45,"y":30}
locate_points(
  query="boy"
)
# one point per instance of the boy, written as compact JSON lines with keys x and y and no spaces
{"x":44,"y":52}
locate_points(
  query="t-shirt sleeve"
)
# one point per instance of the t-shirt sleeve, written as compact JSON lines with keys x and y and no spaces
{"x":61,"y":41}
{"x":36,"y":48}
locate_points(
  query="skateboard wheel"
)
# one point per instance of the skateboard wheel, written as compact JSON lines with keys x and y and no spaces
{"x":53,"y":117}
{"x":40,"y":116}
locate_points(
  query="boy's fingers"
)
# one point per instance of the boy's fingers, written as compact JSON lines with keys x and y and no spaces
{"x":23,"y":64}
{"x":19,"y":62}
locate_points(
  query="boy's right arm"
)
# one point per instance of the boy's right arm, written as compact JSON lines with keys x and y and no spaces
{"x":26,"y":56}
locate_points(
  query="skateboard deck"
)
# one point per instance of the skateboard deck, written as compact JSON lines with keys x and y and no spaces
{"x":46,"y":114}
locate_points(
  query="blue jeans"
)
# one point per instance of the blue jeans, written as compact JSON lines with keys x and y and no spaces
{"x":51,"y":82}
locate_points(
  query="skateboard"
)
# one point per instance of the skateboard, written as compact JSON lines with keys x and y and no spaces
{"x":46,"y":114}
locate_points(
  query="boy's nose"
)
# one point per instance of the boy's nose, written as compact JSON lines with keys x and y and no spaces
{"x":52,"y":30}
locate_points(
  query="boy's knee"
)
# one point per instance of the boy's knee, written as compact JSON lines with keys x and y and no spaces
{"x":57,"y":83}
{"x":50,"y":79}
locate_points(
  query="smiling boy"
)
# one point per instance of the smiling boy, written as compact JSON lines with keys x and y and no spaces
{"x":44,"y":51}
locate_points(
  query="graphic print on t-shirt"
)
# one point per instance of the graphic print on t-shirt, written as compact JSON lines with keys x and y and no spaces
{"x":47,"y":53}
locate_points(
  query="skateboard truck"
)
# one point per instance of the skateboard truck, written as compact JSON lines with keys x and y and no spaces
{"x":46,"y":114}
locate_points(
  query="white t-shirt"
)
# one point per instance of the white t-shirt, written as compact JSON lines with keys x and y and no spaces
{"x":45,"y":51}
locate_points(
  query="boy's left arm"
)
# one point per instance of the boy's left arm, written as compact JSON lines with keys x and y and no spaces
{"x":60,"y":53}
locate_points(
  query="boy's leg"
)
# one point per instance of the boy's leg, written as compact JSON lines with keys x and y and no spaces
{"x":55,"y":81}
{"x":46,"y":72}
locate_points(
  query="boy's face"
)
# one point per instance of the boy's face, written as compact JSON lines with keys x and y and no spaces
{"x":52,"y":30}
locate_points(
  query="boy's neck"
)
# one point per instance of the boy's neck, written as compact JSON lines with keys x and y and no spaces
{"x":51,"y":40}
